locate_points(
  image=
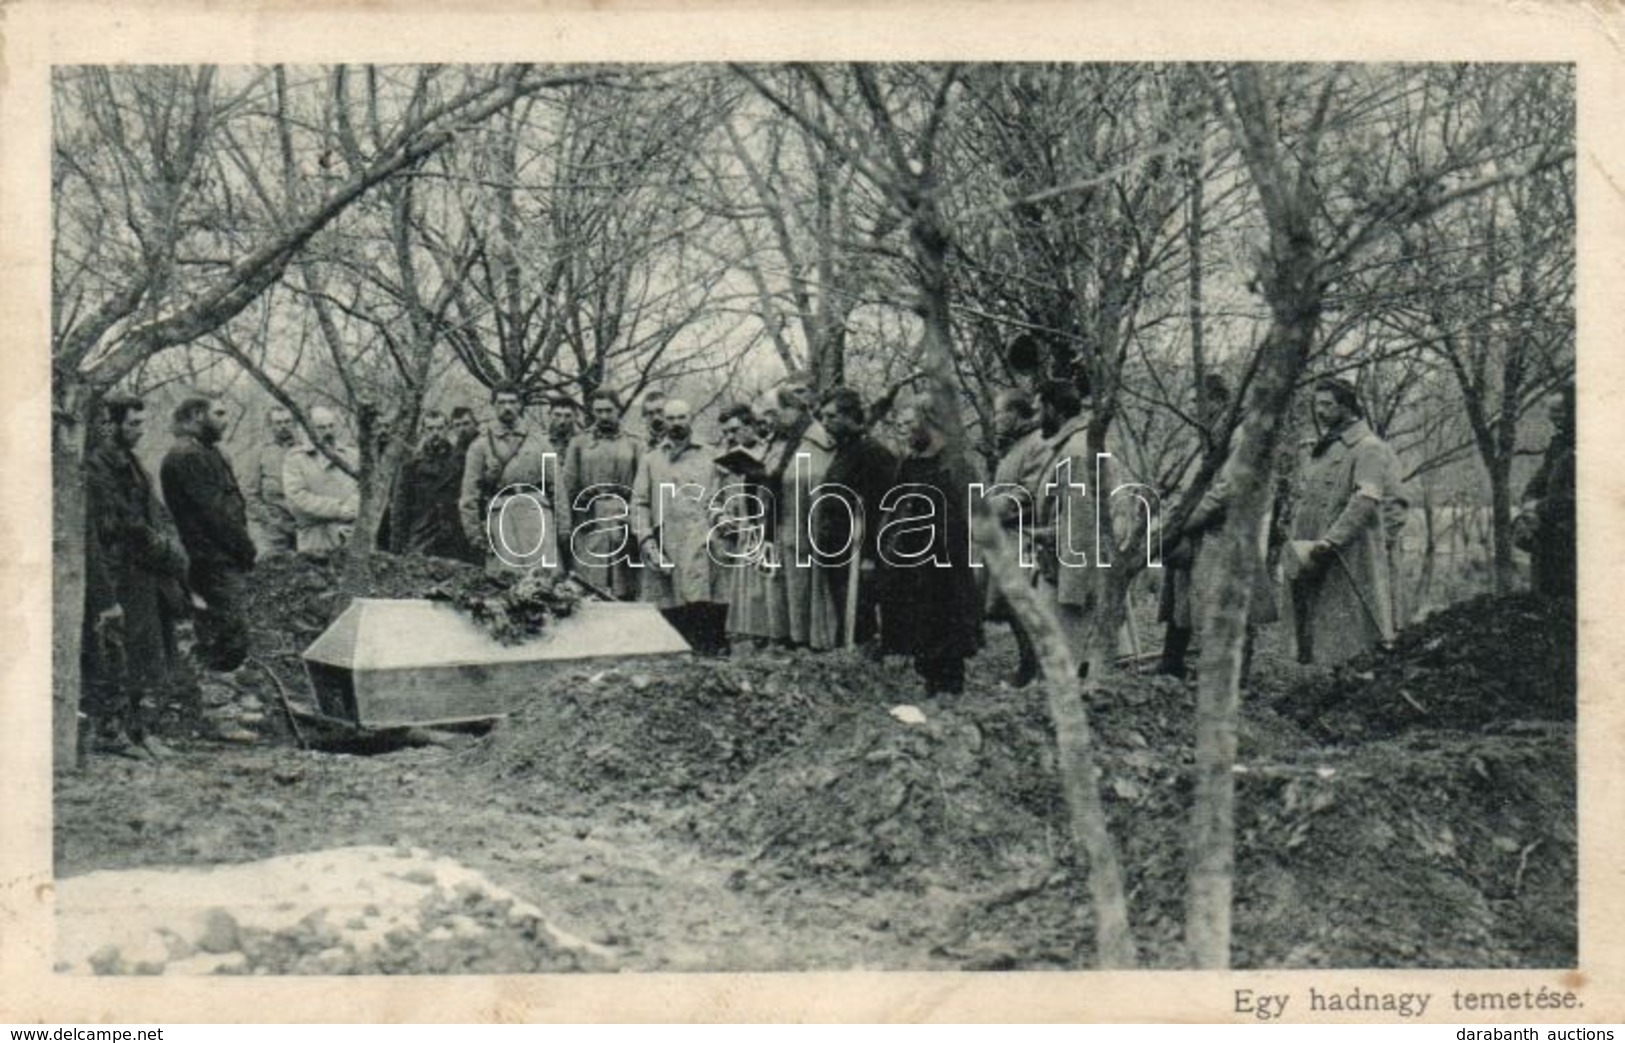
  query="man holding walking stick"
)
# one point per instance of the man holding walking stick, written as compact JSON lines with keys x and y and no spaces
{"x":1342,"y":564}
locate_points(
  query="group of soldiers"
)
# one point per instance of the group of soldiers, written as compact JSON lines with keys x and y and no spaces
{"x":798,"y":528}
{"x":150,"y":563}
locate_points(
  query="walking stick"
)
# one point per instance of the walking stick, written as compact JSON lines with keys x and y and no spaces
{"x":1385,"y":635}
{"x":1132,"y":626}
{"x":286,"y":703}
{"x":590,"y":587}
{"x":854,"y":571}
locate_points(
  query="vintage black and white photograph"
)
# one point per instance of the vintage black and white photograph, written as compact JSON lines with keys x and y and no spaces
{"x":759,"y":516}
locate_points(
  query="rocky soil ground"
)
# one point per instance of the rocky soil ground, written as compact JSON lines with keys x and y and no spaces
{"x":1412,"y":808}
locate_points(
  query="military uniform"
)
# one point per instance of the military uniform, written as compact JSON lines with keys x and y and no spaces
{"x":595,"y":494}
{"x":1349,"y":494}
{"x":322,"y":497}
{"x":671,"y":504}
{"x":267,"y":504}
{"x":500,"y":460}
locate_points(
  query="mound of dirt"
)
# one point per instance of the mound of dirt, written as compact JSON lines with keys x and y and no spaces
{"x":355,"y":910}
{"x":669,"y":727}
{"x":1427,"y":850}
{"x":1433,"y":850}
{"x":1476,"y":664}
{"x":296,"y":596}
{"x":878,"y":797}
{"x":971,"y":793}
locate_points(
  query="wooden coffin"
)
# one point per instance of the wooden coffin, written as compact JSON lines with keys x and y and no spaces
{"x":395,"y":664}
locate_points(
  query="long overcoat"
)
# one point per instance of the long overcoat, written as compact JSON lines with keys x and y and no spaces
{"x":139,"y":559}
{"x":671,"y":503}
{"x":500,"y":462}
{"x":1348,"y":492}
{"x":931,"y":606}
{"x":267,"y":503}
{"x":811,"y":617}
{"x":424,"y":514}
{"x":595,"y":494}
{"x":752,"y":583}
{"x":321,"y":496}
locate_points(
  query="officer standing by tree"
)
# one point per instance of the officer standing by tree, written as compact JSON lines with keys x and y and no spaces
{"x":1345,"y":528}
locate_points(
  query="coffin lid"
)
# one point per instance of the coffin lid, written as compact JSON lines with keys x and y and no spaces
{"x":393,"y":634}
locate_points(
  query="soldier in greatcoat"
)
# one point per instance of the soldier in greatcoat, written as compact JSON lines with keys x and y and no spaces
{"x":510,"y":479}
{"x":672,"y":520}
{"x":1343,"y":561}
{"x":595,"y":494}
{"x":267,"y":504}
{"x":324,"y":499}
{"x":1061,"y":479}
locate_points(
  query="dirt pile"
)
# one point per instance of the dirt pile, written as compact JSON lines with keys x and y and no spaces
{"x":1475,"y":665}
{"x":1428,"y":851}
{"x":669,"y":727}
{"x":356,"y":910}
{"x":1433,"y":849}
{"x":880,"y":798}
{"x":296,"y":596}
{"x":971,"y":792}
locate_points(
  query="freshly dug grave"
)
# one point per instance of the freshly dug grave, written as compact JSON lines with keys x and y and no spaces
{"x":1488,"y":660}
{"x":296,"y":597}
{"x":790,"y":791}
{"x":668,"y":728}
{"x":293,"y":598}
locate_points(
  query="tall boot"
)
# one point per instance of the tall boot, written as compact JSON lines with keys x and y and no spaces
{"x":1027,"y":664}
{"x":1176,"y":643}
{"x":146,"y":708}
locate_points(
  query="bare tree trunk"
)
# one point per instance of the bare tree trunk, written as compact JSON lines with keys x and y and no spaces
{"x":1211,"y":883}
{"x":1114,"y":940}
{"x":911,"y":184}
{"x":1430,"y":551}
{"x":1074,"y":744}
{"x":1193,"y":243}
{"x":69,"y":428}
{"x":1291,"y":281}
{"x":356,"y":576}
{"x":1499,"y":543}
